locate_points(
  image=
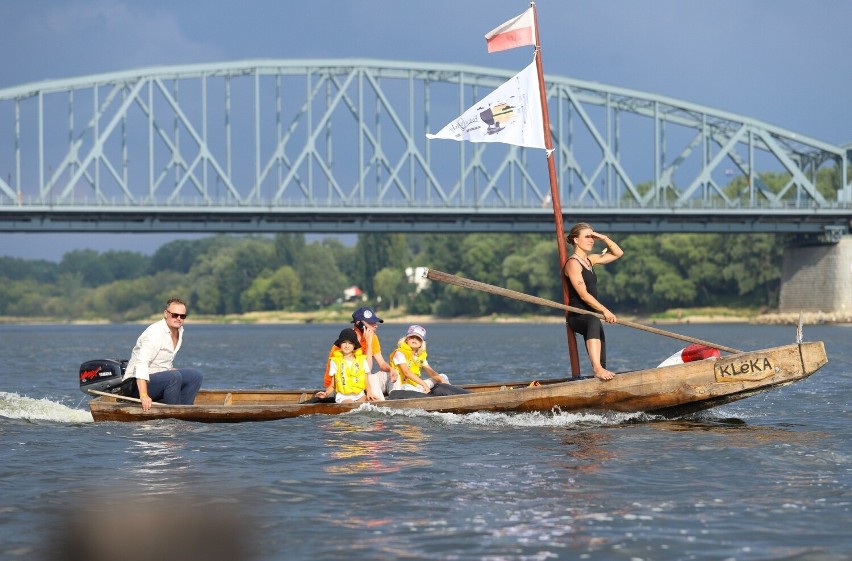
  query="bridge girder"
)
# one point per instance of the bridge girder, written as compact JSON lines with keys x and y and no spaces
{"x":294,"y":145}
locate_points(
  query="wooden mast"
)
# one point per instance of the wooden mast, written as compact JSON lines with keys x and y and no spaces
{"x":554,"y":196}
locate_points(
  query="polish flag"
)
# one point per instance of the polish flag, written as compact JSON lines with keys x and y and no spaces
{"x":517,"y":32}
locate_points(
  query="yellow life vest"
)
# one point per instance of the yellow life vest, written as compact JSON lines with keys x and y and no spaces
{"x":414,"y":362}
{"x":350,"y":378}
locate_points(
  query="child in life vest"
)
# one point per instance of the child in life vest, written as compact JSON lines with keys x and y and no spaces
{"x":409,"y":360}
{"x":348,"y":369}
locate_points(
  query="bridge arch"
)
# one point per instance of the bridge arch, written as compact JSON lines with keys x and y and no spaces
{"x":339,"y":146}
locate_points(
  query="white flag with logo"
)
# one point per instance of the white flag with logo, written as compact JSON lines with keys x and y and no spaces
{"x":510,"y":114}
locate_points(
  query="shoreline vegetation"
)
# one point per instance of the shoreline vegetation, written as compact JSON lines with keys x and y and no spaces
{"x":343,"y":315}
{"x":251,"y":279}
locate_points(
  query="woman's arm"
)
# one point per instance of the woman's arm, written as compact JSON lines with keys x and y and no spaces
{"x":614,"y":251}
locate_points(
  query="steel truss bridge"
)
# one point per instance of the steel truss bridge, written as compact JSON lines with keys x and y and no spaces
{"x":339,"y":146}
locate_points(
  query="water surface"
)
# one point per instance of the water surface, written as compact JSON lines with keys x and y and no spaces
{"x":769,"y":477}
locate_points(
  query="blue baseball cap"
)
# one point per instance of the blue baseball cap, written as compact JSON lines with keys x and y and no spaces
{"x":366,"y":314}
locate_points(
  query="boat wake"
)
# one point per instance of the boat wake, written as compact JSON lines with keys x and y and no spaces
{"x":14,"y":406}
{"x":533,"y":419}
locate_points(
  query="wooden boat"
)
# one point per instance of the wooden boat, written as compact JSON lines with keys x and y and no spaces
{"x":669,"y":391}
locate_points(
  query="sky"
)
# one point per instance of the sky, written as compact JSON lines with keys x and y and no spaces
{"x":785,"y":62}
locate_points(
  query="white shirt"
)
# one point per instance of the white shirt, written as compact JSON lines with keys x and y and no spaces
{"x":154,"y":351}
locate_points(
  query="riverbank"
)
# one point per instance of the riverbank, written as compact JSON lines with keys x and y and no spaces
{"x":343,"y":316}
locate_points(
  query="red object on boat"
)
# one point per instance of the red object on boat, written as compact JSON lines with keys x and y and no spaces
{"x":691,"y":354}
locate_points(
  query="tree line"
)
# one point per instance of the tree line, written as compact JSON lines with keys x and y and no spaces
{"x":227,"y":274}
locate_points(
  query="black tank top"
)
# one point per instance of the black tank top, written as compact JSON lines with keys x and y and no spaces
{"x":591,"y":280}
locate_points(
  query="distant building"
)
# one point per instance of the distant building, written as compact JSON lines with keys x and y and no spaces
{"x":417,"y":277}
{"x":353,"y":293}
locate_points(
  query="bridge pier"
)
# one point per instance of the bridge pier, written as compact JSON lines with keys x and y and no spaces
{"x":817,"y":278}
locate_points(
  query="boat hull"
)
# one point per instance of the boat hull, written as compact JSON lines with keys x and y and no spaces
{"x":669,"y":391}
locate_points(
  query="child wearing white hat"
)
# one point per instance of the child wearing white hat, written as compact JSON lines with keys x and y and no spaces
{"x":409,"y":361}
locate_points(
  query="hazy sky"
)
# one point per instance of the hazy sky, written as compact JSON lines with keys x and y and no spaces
{"x":785,"y":62}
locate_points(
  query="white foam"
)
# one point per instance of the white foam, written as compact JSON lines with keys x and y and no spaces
{"x":14,"y":406}
{"x":534,"y":419}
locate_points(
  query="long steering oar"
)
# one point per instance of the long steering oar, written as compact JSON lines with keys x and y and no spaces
{"x":476,"y":285}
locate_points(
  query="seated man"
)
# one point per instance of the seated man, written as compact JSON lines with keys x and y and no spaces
{"x":151,"y":366}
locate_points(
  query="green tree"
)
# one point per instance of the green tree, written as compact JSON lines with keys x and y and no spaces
{"x":344,"y":256}
{"x":752,"y":263}
{"x":391,"y":285}
{"x":180,"y":255}
{"x":221,"y":279}
{"x":632,"y":280}
{"x":374,"y":252}
{"x":87,"y":264}
{"x":99,"y":269}
{"x":16,"y":268}
{"x":288,"y":248}
{"x":436,"y":251}
{"x":535,"y":272}
{"x":322,"y":281}
{"x":134,"y":299}
{"x":278,"y":290}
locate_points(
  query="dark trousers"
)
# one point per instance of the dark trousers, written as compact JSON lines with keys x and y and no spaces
{"x":442,"y":389}
{"x":439,"y":390}
{"x":173,"y":387}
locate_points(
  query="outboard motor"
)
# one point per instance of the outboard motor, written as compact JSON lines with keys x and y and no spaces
{"x":103,"y":375}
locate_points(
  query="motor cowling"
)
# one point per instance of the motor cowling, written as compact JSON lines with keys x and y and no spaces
{"x":103,"y":375}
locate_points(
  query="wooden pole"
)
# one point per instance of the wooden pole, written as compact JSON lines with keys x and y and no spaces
{"x":491,"y":289}
{"x":116,"y":396}
{"x":554,"y":197}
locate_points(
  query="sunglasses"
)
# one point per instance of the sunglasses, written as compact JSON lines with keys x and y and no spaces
{"x":175,"y":316}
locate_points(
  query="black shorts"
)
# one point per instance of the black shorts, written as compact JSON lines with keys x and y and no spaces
{"x":590,"y":327}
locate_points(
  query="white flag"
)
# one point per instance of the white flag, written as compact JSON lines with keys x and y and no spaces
{"x":510,"y":114}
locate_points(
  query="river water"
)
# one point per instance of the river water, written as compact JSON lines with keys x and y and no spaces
{"x":769,"y":477}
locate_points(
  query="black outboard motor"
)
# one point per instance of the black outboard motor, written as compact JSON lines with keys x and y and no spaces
{"x":104,"y":375}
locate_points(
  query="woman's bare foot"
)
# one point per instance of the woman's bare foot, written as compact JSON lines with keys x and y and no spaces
{"x":604,"y":374}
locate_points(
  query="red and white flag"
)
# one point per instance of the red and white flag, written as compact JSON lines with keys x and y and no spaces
{"x":517,"y":32}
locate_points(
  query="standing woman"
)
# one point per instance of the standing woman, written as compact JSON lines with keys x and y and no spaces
{"x":583,"y":292}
